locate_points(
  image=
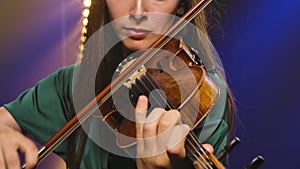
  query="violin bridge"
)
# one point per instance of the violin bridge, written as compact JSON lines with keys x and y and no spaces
{"x":131,"y":80}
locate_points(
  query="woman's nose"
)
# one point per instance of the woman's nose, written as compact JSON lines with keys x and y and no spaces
{"x":138,"y":12}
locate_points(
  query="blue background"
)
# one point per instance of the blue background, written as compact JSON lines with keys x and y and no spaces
{"x":257,"y":42}
{"x":260,"y":52}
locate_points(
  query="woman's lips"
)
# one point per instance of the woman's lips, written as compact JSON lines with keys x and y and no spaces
{"x":137,"y":34}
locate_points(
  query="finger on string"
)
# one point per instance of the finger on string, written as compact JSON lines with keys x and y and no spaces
{"x":150,"y":131}
{"x":140,"y":118}
{"x":168,"y":120}
{"x":140,"y":114}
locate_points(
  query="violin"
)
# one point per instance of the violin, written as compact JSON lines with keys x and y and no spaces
{"x":160,"y":65}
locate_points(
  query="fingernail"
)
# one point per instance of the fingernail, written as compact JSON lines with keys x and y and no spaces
{"x":186,"y":127}
{"x":142,"y":100}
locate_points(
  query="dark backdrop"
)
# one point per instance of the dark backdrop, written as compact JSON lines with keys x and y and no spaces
{"x":260,"y":52}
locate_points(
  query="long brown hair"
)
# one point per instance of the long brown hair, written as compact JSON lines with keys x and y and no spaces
{"x":98,"y":17}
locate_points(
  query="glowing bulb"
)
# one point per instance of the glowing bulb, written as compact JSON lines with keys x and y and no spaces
{"x":87,"y":3}
{"x":84,"y":30}
{"x":85,"y":21}
{"x":83,"y":38}
{"x":86,"y":12}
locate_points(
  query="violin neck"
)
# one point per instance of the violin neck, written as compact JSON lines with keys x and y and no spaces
{"x":200,"y":157}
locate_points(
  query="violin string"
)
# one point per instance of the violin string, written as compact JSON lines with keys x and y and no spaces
{"x":169,"y":107}
{"x":154,"y":85}
{"x":200,"y":147}
{"x":199,"y":150}
{"x":193,"y":137}
{"x":196,"y":147}
{"x":191,"y":140}
{"x":152,"y":81}
{"x":196,"y":158}
{"x":141,"y":88}
{"x":191,"y":149}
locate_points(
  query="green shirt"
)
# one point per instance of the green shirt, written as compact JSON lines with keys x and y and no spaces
{"x":44,"y":109}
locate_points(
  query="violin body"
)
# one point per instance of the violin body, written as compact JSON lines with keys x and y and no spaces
{"x":172,"y":79}
{"x":179,"y":82}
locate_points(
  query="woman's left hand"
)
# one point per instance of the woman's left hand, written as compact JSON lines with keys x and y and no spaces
{"x":161,"y":138}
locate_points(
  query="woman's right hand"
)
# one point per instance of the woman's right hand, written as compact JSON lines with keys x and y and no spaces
{"x":12,"y":141}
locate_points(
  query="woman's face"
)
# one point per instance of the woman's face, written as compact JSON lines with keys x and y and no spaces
{"x":138,"y":22}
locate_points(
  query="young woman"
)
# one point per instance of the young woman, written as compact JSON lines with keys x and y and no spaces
{"x":42,"y":110}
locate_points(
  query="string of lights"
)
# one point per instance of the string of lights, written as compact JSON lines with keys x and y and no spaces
{"x":85,"y":13}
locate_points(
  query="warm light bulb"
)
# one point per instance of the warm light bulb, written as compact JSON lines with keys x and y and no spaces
{"x":87,"y":3}
{"x":83,"y":38}
{"x":85,"y":21}
{"x":84,"y":30}
{"x":86,"y":12}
